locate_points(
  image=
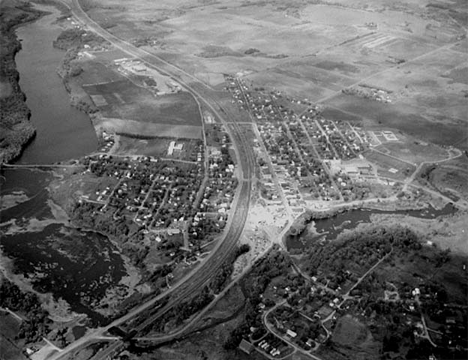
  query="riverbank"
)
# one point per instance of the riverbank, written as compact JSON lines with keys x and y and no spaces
{"x":63,"y":132}
{"x":15,"y":127}
{"x":314,"y":226}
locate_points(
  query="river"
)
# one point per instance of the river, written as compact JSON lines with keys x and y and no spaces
{"x":76,"y":265}
{"x":331,"y":227}
{"x":63,"y":132}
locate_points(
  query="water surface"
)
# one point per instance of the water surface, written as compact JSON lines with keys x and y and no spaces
{"x":331,"y":227}
{"x":74,"y":264}
{"x":63,"y":132}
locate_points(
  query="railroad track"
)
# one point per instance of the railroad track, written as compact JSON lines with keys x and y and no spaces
{"x":206,"y":271}
{"x":246,"y":161}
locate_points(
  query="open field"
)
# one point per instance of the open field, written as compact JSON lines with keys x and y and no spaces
{"x":300,"y":78}
{"x":402,"y":118}
{"x":158,"y":148}
{"x":434,"y":84}
{"x":9,"y":327}
{"x":349,"y":331}
{"x":385,"y":165}
{"x":145,"y":131}
{"x":123,"y":99}
{"x":96,"y":72}
{"x":339,"y":115}
{"x":448,"y":177}
{"x":451,"y":180}
{"x":413,"y":151}
{"x":413,"y":49}
{"x":291,"y":85}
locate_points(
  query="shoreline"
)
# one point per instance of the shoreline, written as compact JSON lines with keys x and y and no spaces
{"x":15,"y":122}
{"x":15,"y":116}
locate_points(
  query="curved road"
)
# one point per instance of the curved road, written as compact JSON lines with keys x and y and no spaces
{"x":202,"y":274}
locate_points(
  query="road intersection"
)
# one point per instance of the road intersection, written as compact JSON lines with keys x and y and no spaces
{"x":201,"y":275}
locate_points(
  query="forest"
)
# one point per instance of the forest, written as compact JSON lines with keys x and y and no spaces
{"x":26,"y":304}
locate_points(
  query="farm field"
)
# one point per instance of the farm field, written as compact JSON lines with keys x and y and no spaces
{"x":123,"y":99}
{"x":144,"y":130}
{"x":313,"y":51}
{"x":403,"y":118}
{"x":313,"y":109}
{"x":96,"y":72}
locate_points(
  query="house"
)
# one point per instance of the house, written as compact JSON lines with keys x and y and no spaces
{"x":245,"y":346}
{"x":291,"y":333}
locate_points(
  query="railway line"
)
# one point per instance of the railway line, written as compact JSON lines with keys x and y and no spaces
{"x":200,"y":276}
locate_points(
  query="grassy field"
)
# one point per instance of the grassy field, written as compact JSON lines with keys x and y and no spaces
{"x":157,"y":148}
{"x":123,"y":99}
{"x":9,"y":327}
{"x":384,"y":163}
{"x":291,"y":84}
{"x":96,"y":72}
{"x":351,"y":340}
{"x":413,"y":151}
{"x":145,"y":131}
{"x":339,"y":115}
{"x":349,"y":331}
{"x":450,"y":177}
{"x":321,"y":77}
{"x":403,"y":118}
{"x":313,"y":51}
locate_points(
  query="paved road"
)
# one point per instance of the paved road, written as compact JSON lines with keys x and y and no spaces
{"x":246,"y":161}
{"x":187,"y":328}
{"x":285,"y":338}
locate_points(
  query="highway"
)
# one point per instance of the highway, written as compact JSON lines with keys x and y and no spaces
{"x":195,"y":280}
